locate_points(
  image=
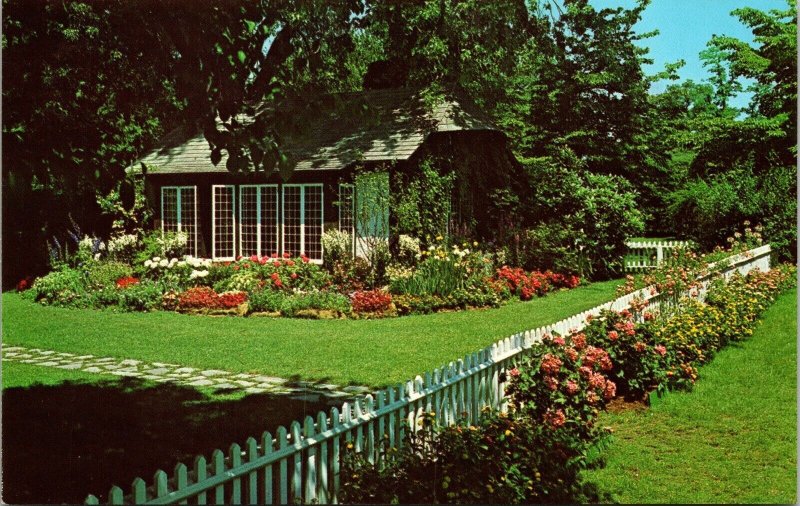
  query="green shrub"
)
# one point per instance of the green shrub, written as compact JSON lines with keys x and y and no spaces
{"x":62,"y":287}
{"x":266,"y":300}
{"x":104,"y":297}
{"x":143,"y":296}
{"x":106,"y":274}
{"x":337,"y":246}
{"x":160,"y":244}
{"x":320,"y":300}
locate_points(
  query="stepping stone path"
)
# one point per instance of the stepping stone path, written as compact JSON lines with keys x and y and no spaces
{"x":182,"y":375}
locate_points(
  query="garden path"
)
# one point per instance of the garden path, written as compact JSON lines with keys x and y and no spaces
{"x":176,"y":373}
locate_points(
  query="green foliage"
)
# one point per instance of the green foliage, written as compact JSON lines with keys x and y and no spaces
{"x":266,"y":301}
{"x":105,"y":274}
{"x":337,"y":245}
{"x":579,"y":221}
{"x":421,"y":201}
{"x":156,"y":243}
{"x":500,"y":459}
{"x":319,"y":300}
{"x":62,"y":287}
{"x":144,"y":296}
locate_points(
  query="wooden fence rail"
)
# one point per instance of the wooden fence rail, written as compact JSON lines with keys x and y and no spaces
{"x":302,"y":464}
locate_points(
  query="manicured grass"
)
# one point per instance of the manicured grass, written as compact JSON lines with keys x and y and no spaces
{"x":731,"y":440}
{"x":16,"y":374}
{"x":370,"y":352}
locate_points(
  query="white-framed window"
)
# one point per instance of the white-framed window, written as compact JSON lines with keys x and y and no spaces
{"x":179,"y":213}
{"x":258,"y":220}
{"x":303,"y":220}
{"x":347,"y":202}
{"x":223,"y":222}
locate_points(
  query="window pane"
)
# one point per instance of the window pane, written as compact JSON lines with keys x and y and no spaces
{"x":223,"y":222}
{"x":291,"y":220}
{"x":313,"y":222}
{"x":346,"y":208}
{"x":169,"y":209}
{"x":248,"y":220}
{"x":269,"y":220}
{"x":188,"y":223}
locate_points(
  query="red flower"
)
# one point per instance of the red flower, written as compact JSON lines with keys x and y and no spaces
{"x":289,"y":263}
{"x":514,"y":372}
{"x":127,"y":281}
{"x":370,"y":301}
{"x":613,"y":335}
{"x":254,"y":258}
{"x":293,"y":275}
{"x":555,"y":419}
{"x":551,"y":364}
{"x":661,"y":350}
{"x":610,"y":390}
{"x":24,"y":284}
{"x":286,"y":254}
{"x":640,"y":346}
{"x":572,"y":388}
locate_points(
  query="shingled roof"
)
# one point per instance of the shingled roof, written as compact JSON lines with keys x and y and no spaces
{"x":375,"y":125}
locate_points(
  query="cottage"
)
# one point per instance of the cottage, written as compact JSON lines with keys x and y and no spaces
{"x":228,"y":214}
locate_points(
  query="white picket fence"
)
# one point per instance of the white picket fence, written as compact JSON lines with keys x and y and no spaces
{"x":645,"y":255}
{"x":302,"y":464}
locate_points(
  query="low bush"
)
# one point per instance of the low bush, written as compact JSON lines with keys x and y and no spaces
{"x":266,"y":300}
{"x":146,"y":295}
{"x":105,"y":274}
{"x":319,"y":300}
{"x":337,"y":245}
{"x":62,"y":287}
{"x":371,"y":301}
{"x":203,"y":297}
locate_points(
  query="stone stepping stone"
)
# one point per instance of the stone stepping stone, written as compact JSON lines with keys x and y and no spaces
{"x":159,"y":371}
{"x":214,"y":372}
{"x":130,"y":362}
{"x":126,"y":373}
{"x":162,"y":364}
{"x":112,"y":366}
{"x":357,"y":389}
{"x":185,"y":370}
{"x":92,"y":369}
{"x":49,"y":364}
{"x":152,"y":377}
{"x":13,"y":348}
{"x":255,"y":390}
{"x":244,"y":383}
{"x":201,"y":383}
{"x":226,"y":386}
{"x":70,"y":366}
{"x":106,"y":359}
{"x":269,"y":379}
{"x":84,"y":357}
{"x":45,"y":352}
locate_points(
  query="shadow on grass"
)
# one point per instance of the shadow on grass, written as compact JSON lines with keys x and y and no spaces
{"x":62,"y":442}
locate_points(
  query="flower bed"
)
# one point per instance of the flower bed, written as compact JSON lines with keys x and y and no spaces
{"x":535,"y":453}
{"x":438,"y":279}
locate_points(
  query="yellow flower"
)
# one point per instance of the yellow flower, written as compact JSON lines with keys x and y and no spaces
{"x":349,"y":446}
{"x":508,"y":432}
{"x":474,"y":243}
{"x":439,"y":238}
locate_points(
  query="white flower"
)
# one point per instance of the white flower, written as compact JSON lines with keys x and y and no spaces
{"x":156,"y":259}
{"x":97,"y":256}
{"x":198,"y":274}
{"x":431,"y":248}
{"x":148,"y":263}
{"x":163,"y":262}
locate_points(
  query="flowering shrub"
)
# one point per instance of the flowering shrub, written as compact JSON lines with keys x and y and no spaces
{"x":502,"y":459}
{"x":640,"y":363}
{"x":526,"y":285}
{"x":123,"y":247}
{"x":336,"y":244}
{"x":62,"y":287}
{"x":278,"y":273}
{"x":371,"y":301}
{"x":24,"y":283}
{"x":146,"y":295}
{"x":106,"y":273}
{"x":203,"y":297}
{"x":126,"y":282}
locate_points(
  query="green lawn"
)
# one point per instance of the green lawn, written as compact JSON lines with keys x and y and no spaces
{"x":370,"y":352}
{"x":731,"y":440}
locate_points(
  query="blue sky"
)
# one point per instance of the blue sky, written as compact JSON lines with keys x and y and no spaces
{"x":686,"y":26}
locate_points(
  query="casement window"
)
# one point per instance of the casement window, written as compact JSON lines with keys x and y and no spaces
{"x":347,"y":201}
{"x":223,"y":240}
{"x":179,"y":213}
{"x":302,"y":220}
{"x":258,"y":220}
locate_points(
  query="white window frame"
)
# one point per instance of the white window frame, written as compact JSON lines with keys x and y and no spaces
{"x":214,"y":221}
{"x":179,"y":210}
{"x":278,"y":222}
{"x":352,"y":229}
{"x":303,"y":187}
